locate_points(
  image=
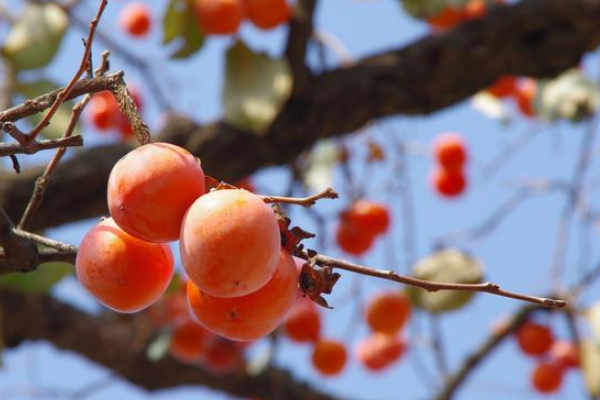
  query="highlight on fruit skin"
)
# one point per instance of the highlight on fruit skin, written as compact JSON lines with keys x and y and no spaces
{"x":151,"y":188}
{"x":230,"y":243}
{"x":121,"y":271}
{"x":252,"y":316}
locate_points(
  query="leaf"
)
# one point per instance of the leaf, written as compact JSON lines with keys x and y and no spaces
{"x":450,"y":265}
{"x":60,"y":120}
{"x":490,"y":106}
{"x":179,"y":22}
{"x":594,"y":318}
{"x":34,"y":39}
{"x":159,"y":346}
{"x":590,"y":365}
{"x":39,"y":281}
{"x":256,"y":86}
{"x":318,"y":172}
{"x":571,"y":96}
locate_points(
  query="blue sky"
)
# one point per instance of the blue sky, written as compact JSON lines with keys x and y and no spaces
{"x":517,"y":254}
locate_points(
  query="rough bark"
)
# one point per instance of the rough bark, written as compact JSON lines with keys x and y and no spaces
{"x":119,"y":343}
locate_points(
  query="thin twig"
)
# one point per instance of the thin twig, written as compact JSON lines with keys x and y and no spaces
{"x":42,"y":182}
{"x":437,"y":340}
{"x":63,"y":95}
{"x":15,"y":163}
{"x":45,"y":101}
{"x":431,"y":286}
{"x":309,"y":201}
{"x":9,"y":149}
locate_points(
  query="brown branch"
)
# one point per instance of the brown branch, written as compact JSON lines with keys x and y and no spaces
{"x":309,"y":201}
{"x":20,"y":254}
{"x":539,"y":38}
{"x":113,"y":342}
{"x":9,"y":149}
{"x":431,"y":286}
{"x":64,"y":93}
{"x":301,"y":27}
{"x":43,"y":102}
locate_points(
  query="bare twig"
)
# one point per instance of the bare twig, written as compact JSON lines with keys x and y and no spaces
{"x":42,"y":182}
{"x":309,"y":201}
{"x":64,"y":93}
{"x":9,"y":149}
{"x":15,"y":163}
{"x":431,"y":286}
{"x":45,"y":101}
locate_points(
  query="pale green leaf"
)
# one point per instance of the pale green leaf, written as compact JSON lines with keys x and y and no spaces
{"x":35,"y":37}
{"x":179,"y":23}
{"x":256,"y":86}
{"x":449,"y":265}
{"x":590,"y":365}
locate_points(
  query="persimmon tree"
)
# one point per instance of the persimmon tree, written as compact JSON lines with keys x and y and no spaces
{"x":258,"y":276}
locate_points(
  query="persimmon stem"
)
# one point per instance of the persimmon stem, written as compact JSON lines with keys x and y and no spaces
{"x":309,"y":201}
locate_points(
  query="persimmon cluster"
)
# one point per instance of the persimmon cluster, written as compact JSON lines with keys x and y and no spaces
{"x":522,"y":91}
{"x":450,"y":153}
{"x":553,"y":357}
{"x":242,"y":282}
{"x":224,"y":17}
{"x":105,"y":115}
{"x":386,"y":314}
{"x":360,"y":225}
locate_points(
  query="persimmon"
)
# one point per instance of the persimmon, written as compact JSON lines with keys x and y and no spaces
{"x":135,"y":19}
{"x":267,"y":14}
{"x":388,"y":311}
{"x":230,"y":243}
{"x":447,"y":18}
{"x":525,"y":97}
{"x":251,"y":316}
{"x":369,"y":216}
{"x":329,"y":357}
{"x":565,"y":354}
{"x":219,"y":17}
{"x":151,"y":188}
{"x":450,"y":151}
{"x":352,"y":239}
{"x":103,"y":110}
{"x":547,"y":377}
{"x":448,"y":183}
{"x":504,"y":86}
{"x":190,"y":342}
{"x":473,"y":9}
{"x":303,"y":321}
{"x":222,"y":356}
{"x":121,"y":271}
{"x":534,"y":339}
{"x":379,"y":350}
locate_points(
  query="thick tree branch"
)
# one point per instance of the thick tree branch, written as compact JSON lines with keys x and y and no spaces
{"x":114,"y":342}
{"x":538,"y":38}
